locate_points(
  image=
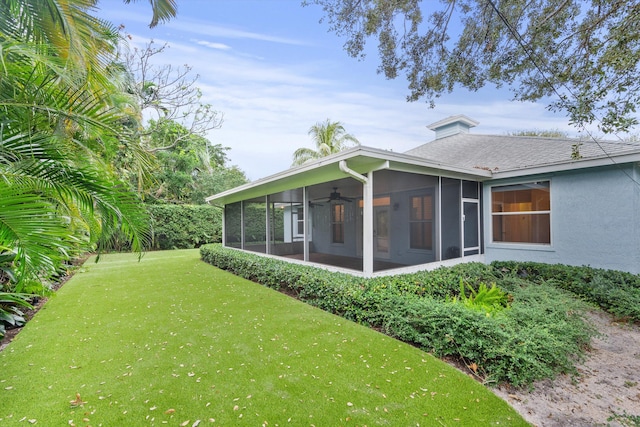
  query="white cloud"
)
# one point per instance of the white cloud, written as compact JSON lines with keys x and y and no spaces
{"x":270,"y":96}
{"x":220,"y":46}
{"x":222,"y":31}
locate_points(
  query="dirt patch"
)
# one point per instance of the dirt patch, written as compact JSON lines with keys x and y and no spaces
{"x":609,"y":383}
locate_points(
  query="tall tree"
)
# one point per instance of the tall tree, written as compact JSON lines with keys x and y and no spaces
{"x":184,"y":164}
{"x":583,"y":54}
{"x":166,"y":93}
{"x":329,"y":138}
{"x":168,"y":99}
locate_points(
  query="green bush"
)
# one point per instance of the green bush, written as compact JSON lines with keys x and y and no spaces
{"x":541,"y":335}
{"x":185,"y":226}
{"x":614,"y":291}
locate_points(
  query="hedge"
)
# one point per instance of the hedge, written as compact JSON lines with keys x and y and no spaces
{"x":185,"y":226}
{"x":540,"y":334}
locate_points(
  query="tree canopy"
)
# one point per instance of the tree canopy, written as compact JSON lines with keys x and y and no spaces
{"x":580,"y":56}
{"x":190,"y":169}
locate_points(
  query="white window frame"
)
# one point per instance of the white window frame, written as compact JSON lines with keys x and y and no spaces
{"x":549,"y":212}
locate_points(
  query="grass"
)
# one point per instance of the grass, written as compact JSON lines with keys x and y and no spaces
{"x":174,"y":341}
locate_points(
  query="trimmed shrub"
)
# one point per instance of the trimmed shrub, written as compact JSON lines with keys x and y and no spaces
{"x":541,"y":334}
{"x":185,"y":226}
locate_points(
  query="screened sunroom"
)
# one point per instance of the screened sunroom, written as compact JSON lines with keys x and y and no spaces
{"x":366,"y":211}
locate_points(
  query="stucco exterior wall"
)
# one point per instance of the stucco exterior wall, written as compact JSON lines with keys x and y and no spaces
{"x":595,"y":220}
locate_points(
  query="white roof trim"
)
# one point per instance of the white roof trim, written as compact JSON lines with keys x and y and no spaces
{"x":461,"y":118}
{"x":371,"y":156}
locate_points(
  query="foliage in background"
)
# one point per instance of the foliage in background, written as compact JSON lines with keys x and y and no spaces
{"x":166,"y":93}
{"x":11,"y":306}
{"x":190,"y":167}
{"x":179,"y":227}
{"x":220,"y":179}
{"x":584,"y":55}
{"x":185,"y":226}
{"x":168,"y":157}
{"x":255,"y":224}
{"x":549,"y":133}
{"x":541,"y":335}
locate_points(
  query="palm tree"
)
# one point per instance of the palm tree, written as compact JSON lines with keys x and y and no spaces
{"x":329,"y":138}
{"x":57,"y":194}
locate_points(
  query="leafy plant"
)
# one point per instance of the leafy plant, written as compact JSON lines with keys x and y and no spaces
{"x":488,"y":300}
{"x":10,"y":312}
{"x":7,"y":273}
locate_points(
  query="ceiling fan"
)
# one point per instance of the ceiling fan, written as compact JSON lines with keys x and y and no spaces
{"x":335,"y":196}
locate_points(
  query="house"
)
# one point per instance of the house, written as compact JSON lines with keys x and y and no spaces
{"x":461,"y":197}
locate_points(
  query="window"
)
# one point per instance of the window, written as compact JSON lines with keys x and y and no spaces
{"x":521,"y":213}
{"x":421,"y":222}
{"x":337,"y":223}
{"x":300,"y":221}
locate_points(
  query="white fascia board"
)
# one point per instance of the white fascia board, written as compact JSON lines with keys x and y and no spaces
{"x":454,"y":119}
{"x":361,"y":159}
{"x":618,"y":159}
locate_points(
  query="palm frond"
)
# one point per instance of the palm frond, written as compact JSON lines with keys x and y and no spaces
{"x":163,"y":10}
{"x":30,"y":226}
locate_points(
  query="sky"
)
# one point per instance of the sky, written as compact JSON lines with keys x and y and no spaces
{"x":273,"y":70}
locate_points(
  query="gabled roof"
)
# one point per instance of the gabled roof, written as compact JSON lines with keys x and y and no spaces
{"x":359,"y":159}
{"x":504,"y":153}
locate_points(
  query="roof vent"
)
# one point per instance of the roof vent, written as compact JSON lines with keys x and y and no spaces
{"x":452,"y":126}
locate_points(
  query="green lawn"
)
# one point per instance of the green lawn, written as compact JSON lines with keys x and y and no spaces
{"x":173,"y":341}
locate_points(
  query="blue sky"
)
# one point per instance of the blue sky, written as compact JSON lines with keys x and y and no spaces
{"x":273,"y":71}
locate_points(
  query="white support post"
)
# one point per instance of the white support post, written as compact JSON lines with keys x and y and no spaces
{"x":224,"y":228}
{"x":439,"y":221}
{"x":305,"y":221}
{"x":267,"y":233}
{"x":242,"y":227}
{"x":367,"y":226}
{"x":367,"y":216}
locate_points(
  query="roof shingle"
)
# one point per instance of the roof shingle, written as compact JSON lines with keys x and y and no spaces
{"x":505,"y":152}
